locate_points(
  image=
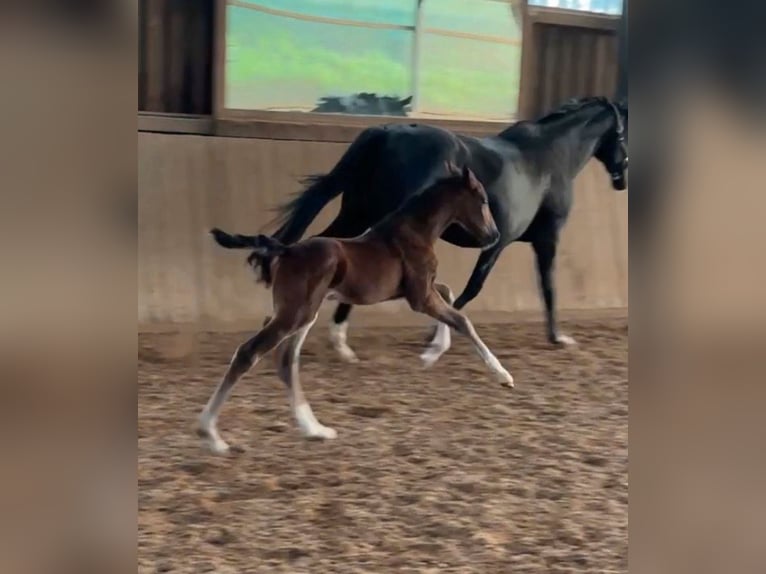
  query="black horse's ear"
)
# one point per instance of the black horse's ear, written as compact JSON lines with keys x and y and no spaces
{"x":622,"y":105}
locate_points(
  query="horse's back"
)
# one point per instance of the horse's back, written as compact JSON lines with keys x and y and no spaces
{"x":405,"y":159}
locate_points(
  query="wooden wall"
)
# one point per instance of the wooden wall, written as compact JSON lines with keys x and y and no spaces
{"x":566,"y":55}
{"x":175,"y":72}
{"x":188,"y":184}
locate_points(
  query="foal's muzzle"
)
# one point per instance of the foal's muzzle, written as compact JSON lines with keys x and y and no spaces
{"x":491,"y":238}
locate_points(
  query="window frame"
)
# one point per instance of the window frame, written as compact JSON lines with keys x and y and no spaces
{"x":344,"y":128}
{"x":326,"y":127}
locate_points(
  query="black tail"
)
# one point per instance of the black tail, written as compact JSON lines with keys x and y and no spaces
{"x":262,"y":245}
{"x":297,"y":214}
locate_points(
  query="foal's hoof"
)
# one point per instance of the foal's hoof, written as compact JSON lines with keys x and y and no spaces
{"x":430,"y":356}
{"x":219,"y":447}
{"x":347,"y":354}
{"x":563,"y":341}
{"x":322,"y":433}
{"x":505,"y":378}
{"x":215,"y":443}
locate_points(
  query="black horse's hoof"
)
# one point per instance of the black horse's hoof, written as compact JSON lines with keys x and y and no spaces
{"x":562,"y":341}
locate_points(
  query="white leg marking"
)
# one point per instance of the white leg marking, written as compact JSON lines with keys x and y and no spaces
{"x":309,"y":425}
{"x":442,"y":339}
{"x":302,"y":339}
{"x":439,"y":345}
{"x":565,"y":340}
{"x":208,"y":420}
{"x":338,"y":339}
{"x":491,"y":361}
{"x":489,"y":358}
{"x":208,"y":430}
{"x":304,"y":416}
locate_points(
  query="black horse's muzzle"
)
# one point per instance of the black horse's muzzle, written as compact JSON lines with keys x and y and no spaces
{"x":619,"y":181}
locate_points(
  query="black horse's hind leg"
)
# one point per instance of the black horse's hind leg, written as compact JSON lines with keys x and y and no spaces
{"x":545,"y":253}
{"x":484,"y":265}
{"x":342,"y":227}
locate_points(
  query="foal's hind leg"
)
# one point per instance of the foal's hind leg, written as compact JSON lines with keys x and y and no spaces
{"x":437,"y":308}
{"x":246,"y":356}
{"x":288,"y":359}
{"x":441,"y":341}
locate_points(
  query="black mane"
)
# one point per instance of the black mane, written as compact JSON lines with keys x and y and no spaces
{"x":525,"y":132}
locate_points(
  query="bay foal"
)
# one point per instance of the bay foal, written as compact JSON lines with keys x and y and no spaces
{"x":394,"y":259}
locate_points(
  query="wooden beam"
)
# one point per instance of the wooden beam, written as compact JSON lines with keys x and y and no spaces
{"x":622,"y":62}
{"x":417,"y":42}
{"x":573,"y":18}
{"x":175,"y":124}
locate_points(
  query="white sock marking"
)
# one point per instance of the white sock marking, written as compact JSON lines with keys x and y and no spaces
{"x":207,"y":427}
{"x":438,"y":346}
{"x":338,"y":339}
{"x":309,"y":425}
{"x":565,"y":340}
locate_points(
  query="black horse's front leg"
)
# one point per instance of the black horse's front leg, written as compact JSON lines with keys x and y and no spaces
{"x":484,"y":265}
{"x":545,"y":253}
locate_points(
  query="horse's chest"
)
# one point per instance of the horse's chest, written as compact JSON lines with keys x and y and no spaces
{"x":516,"y":208}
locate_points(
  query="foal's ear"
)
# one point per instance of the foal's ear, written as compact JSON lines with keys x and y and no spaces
{"x":468,"y":177}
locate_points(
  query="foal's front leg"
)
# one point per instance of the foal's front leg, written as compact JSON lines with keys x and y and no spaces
{"x":437,"y":308}
{"x":288,"y":359}
{"x":442,"y":340}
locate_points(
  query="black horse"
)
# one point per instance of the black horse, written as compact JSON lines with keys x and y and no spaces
{"x":528,"y":171}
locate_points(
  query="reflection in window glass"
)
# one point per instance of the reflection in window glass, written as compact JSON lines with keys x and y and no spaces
{"x":278,"y":62}
{"x":474,"y":76}
{"x":601,"y":6}
{"x":356,"y":57}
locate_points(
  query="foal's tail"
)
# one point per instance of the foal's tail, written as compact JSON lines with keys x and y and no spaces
{"x":295,"y":216}
{"x":262,"y":245}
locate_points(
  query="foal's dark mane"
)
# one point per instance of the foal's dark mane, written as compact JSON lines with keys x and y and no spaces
{"x":419,"y":204}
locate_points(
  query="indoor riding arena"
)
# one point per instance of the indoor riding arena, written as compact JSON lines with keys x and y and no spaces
{"x":433,"y":470}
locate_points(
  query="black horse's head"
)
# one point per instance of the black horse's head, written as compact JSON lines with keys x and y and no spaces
{"x":612,"y":151}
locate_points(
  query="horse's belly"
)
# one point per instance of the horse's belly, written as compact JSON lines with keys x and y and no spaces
{"x":363,"y":295}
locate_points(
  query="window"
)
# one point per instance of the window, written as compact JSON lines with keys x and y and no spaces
{"x":455,"y":59}
{"x":600,"y":6}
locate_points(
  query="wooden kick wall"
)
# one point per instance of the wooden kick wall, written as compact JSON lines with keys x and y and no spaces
{"x":189,"y":183}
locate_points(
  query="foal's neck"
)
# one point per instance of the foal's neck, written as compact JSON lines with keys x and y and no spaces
{"x":426,"y":214}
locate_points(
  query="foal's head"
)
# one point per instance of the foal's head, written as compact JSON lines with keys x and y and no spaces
{"x":471,"y":205}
